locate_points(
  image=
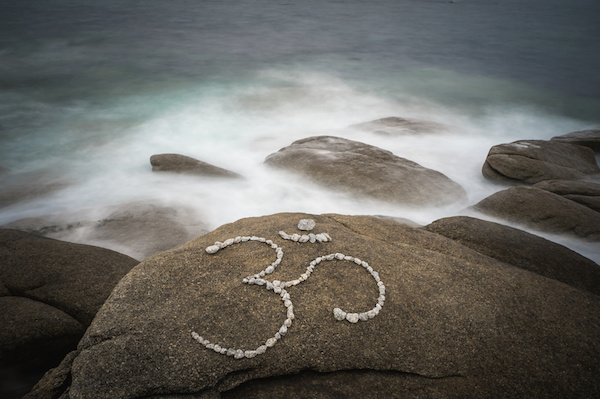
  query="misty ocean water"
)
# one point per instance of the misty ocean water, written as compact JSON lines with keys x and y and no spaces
{"x":90,"y":90}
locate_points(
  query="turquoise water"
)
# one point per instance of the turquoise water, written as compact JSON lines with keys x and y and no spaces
{"x":90,"y":90}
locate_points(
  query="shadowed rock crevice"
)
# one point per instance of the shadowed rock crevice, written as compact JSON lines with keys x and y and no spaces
{"x":338,"y":384}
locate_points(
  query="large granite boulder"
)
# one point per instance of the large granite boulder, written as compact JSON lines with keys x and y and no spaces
{"x":183,"y":164}
{"x":366,"y":171}
{"x":583,"y":192}
{"x":542,"y":210}
{"x":396,"y":126}
{"x":531,"y":161}
{"x":455,"y":323}
{"x":138,"y":229}
{"x":587,"y":138}
{"x":49,"y":293}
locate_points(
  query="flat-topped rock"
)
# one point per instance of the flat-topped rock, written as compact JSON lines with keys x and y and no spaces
{"x":183,"y":164}
{"x":366,"y":171}
{"x":531,"y":161}
{"x":454,"y":322}
{"x":588,"y":138}
{"x":542,"y":210}
{"x":49,"y":293}
{"x":394,"y":125}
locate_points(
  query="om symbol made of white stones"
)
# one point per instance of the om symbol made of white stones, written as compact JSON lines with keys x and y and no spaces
{"x":279,"y":287}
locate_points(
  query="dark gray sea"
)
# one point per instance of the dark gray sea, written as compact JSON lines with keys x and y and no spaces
{"x":89,"y":90}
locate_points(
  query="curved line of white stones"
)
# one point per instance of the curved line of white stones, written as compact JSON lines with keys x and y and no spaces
{"x":278,"y":287}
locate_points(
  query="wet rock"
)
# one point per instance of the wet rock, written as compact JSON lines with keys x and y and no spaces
{"x":583,"y":192}
{"x":453,"y":317}
{"x":182,"y":164}
{"x":366,"y":171}
{"x":587,"y":138}
{"x":542,"y":210}
{"x":50,"y":292}
{"x":519,"y":248}
{"x":137,"y":229}
{"x":400,"y":126}
{"x":531,"y":161}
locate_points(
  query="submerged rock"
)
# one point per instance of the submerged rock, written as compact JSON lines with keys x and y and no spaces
{"x":182,"y":164}
{"x":49,"y":293}
{"x":366,"y":171}
{"x":531,"y":161}
{"x":542,"y":210}
{"x":456,"y":322}
{"x":137,"y":229}
{"x":400,"y":126}
{"x":587,"y":138}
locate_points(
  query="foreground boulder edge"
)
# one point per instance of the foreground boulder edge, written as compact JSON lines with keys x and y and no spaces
{"x":50,"y":291}
{"x":456,"y":323}
{"x":366,"y":171}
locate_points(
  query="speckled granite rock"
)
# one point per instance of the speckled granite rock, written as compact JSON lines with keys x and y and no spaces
{"x":456,"y":323}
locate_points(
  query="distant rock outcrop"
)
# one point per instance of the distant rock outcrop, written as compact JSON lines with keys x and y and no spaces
{"x":182,"y":164}
{"x":587,"y":138}
{"x":531,"y":161}
{"x":366,"y":171}
{"x":460,"y":318}
{"x":49,"y":293}
{"x":393,"y":126}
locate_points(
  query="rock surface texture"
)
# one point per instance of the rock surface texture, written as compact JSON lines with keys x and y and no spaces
{"x":457,"y":323}
{"x":587,"y":138}
{"x":366,"y":171}
{"x":49,"y":293}
{"x":531,"y":161}
{"x":183,"y":164}
{"x":542,"y":210}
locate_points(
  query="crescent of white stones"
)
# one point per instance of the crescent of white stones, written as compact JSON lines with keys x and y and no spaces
{"x":279,"y":287}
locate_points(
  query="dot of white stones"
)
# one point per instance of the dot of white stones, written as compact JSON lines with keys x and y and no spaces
{"x":279,"y":287}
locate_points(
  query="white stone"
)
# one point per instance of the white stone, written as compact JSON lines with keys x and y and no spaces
{"x":261,"y":349}
{"x":270,"y":342}
{"x":357,"y":261}
{"x":363,"y":316}
{"x":212,"y":249}
{"x":210,"y":346}
{"x":217,"y":348}
{"x":339,"y":314}
{"x":287,"y":303}
{"x":228,"y":242}
{"x":287,"y":323}
{"x":306,"y":224}
{"x":269,"y":269}
{"x":303,"y":238}
{"x":239,"y":354}
{"x":237,"y":239}
{"x":312,"y":238}
{"x":230,"y":352}
{"x":283,"y":330}
{"x":250,"y":354}
{"x":350,"y":258}
{"x":352,"y":317}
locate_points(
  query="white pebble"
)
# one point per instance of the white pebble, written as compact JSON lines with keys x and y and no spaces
{"x":339,"y":256}
{"x":306,"y":224}
{"x":270,"y":342}
{"x":250,"y":354}
{"x":283,"y":330}
{"x":339,"y":314}
{"x":352,"y":317}
{"x":261,"y":349}
{"x":228,"y":242}
{"x":212,"y":249}
{"x":239,"y":354}
{"x":287,"y":323}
